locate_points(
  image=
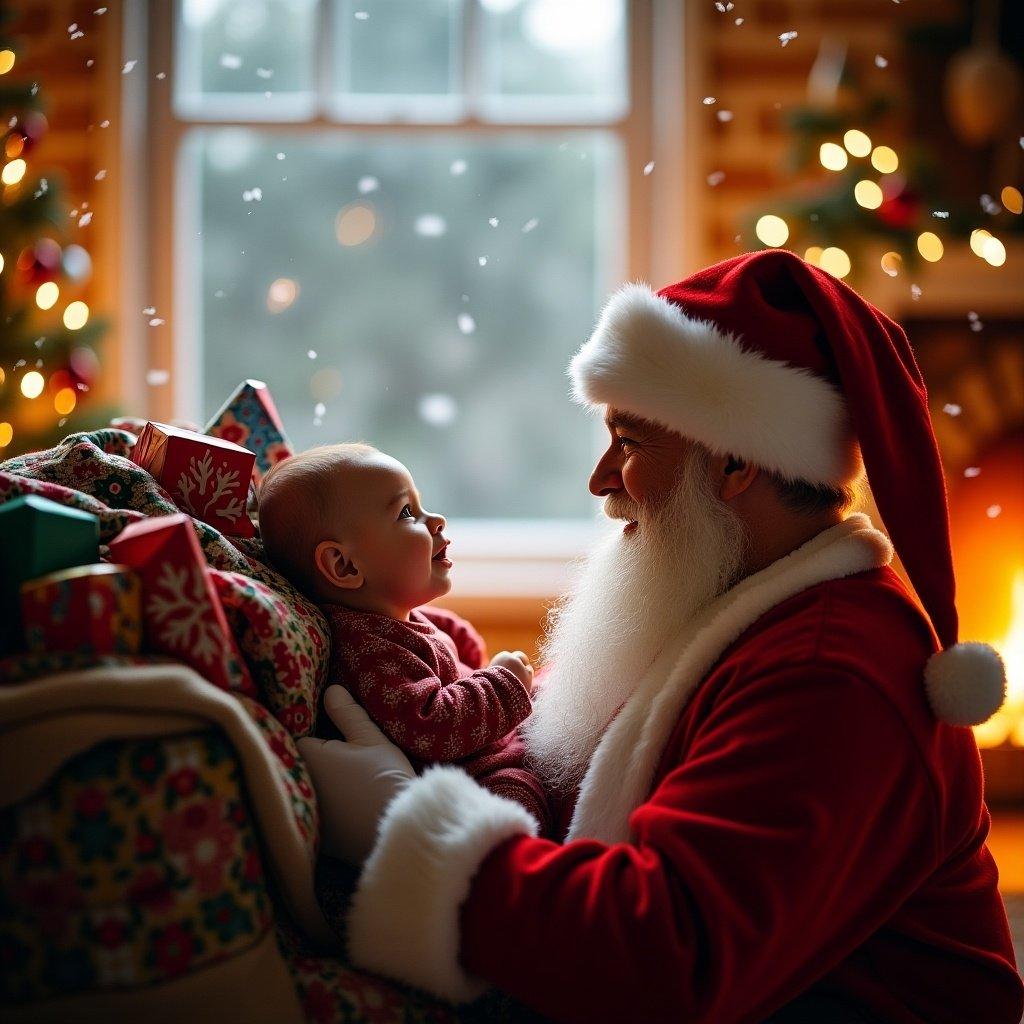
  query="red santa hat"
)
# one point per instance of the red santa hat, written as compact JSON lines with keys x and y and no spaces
{"x":775,"y":361}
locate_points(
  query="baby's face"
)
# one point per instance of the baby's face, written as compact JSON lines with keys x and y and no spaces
{"x":392,"y":541}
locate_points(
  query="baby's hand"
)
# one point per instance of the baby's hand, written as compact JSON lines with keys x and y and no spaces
{"x":518,"y":664}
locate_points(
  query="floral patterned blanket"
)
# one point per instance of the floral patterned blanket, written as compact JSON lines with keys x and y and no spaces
{"x":283,"y":637}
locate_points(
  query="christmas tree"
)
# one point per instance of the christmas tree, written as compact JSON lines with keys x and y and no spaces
{"x":47,"y":334}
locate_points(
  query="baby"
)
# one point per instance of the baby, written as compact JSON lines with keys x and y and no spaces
{"x":344,"y":522}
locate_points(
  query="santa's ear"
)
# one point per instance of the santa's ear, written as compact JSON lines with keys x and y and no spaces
{"x":734,"y":473}
{"x":336,"y":567}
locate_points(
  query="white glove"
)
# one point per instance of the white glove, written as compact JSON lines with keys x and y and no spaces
{"x":355,"y":778}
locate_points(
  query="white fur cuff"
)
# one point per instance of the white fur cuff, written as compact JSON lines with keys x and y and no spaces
{"x":404,"y":921}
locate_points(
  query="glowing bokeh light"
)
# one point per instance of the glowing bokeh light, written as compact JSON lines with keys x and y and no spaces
{"x":6,"y":434}
{"x":76,"y":315}
{"x":892,"y":263}
{"x":857,"y":142}
{"x":281,"y":294}
{"x":884,"y":160}
{"x":994,"y":252}
{"x":1012,"y":199}
{"x":868,"y":194}
{"x":32,"y":384}
{"x":772,"y":230}
{"x":64,"y":401}
{"x":979,"y":236}
{"x":355,"y":224}
{"x":835,"y":261}
{"x":929,"y":245}
{"x":813,"y":256}
{"x":13,"y":172}
{"x":832,"y":157}
{"x":6,"y":61}
{"x":47,"y":294}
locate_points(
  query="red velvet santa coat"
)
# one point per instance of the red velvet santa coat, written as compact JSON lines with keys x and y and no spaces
{"x":775,"y":811}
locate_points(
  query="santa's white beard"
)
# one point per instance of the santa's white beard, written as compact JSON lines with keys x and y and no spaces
{"x":634,"y":593}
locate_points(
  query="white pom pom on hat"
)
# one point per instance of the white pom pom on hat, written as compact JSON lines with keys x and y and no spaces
{"x":966,"y":683}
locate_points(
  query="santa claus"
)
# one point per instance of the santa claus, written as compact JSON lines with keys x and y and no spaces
{"x":772,"y":806}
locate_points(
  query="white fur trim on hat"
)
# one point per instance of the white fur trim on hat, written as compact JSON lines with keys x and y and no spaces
{"x":404,"y":920}
{"x":647,"y":357}
{"x":966,"y":683}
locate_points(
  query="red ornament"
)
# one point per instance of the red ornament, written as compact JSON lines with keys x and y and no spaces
{"x":39,"y":262}
{"x":901,"y":211}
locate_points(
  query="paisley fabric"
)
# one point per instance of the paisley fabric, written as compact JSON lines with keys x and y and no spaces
{"x":282,"y":635}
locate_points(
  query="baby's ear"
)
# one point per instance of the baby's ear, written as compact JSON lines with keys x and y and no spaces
{"x":334,"y":565}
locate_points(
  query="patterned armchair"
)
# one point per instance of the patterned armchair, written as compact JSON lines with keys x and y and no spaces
{"x":158,"y":834}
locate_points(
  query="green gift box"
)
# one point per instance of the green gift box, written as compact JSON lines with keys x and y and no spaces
{"x":38,"y":536}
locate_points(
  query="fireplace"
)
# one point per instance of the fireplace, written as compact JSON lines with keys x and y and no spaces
{"x":967,"y":329}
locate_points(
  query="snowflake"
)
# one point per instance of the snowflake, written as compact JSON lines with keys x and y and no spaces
{"x":181,"y":614}
{"x":193,"y":486}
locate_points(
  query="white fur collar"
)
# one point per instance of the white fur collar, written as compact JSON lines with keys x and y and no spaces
{"x":622,"y":769}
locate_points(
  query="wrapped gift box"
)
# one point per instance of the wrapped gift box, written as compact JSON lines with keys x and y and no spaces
{"x":250,"y":418}
{"x":181,"y":612}
{"x":92,"y":608}
{"x":206,"y":476}
{"x":38,"y":536}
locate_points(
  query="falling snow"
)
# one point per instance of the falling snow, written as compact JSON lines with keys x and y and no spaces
{"x":157,"y":378}
{"x":716,"y":178}
{"x":466,"y":323}
{"x":493,"y":221}
{"x":231,"y":61}
{"x":319,"y":409}
{"x":972,"y":471}
{"x":253,"y":195}
{"x":724,"y":8}
{"x":482,"y":260}
{"x":100,"y":175}
{"x":941,"y":214}
{"x":128,"y":66}
{"x":530,"y":225}
{"x":787,"y":37}
{"x":724,"y":115}
{"x":85,"y":219}
{"x":149,"y":311}
{"x":915,"y":292}
{"x":880,"y":61}
{"x":708,"y":101}
{"x":952,"y":409}
{"x":430,"y":225}
{"x":989,"y":205}
{"x":368,"y":183}
{"x":311,"y":353}
{"x":438,"y":410}
{"x":156,"y":322}
{"x":458,"y":167}
{"x":993,"y":511}
{"x":264,"y":72}
{"x":280,"y":156}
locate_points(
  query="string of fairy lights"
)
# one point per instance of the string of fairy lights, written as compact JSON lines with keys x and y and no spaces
{"x":39,"y":270}
{"x":773,"y":230}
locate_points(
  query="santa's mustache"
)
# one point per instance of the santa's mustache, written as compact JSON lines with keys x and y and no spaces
{"x":622,"y":506}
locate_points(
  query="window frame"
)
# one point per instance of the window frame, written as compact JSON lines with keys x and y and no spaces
{"x":497,"y":558}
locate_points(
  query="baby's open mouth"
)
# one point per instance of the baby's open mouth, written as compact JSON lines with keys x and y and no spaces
{"x":440,"y":555}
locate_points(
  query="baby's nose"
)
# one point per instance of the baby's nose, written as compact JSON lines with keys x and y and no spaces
{"x":437,"y":523}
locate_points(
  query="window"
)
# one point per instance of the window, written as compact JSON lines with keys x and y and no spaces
{"x":404,"y":215}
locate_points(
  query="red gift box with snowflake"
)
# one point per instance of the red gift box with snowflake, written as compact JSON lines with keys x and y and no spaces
{"x":181,"y":613}
{"x":90,"y":608}
{"x":207,"y":477}
{"x":250,"y":418}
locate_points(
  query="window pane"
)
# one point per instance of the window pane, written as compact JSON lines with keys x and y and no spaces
{"x":246,"y":59}
{"x":554,"y":60}
{"x":397,"y":59}
{"x":422,"y":294}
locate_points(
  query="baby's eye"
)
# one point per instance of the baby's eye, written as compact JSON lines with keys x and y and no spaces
{"x":406,"y":513}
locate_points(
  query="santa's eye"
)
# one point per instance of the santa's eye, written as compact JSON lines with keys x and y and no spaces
{"x":623,"y":441}
{"x":406,"y":513}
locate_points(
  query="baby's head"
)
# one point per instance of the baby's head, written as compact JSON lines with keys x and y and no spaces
{"x":344,"y":523}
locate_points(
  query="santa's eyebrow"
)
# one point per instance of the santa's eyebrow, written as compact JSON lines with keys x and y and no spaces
{"x":625,"y":422}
